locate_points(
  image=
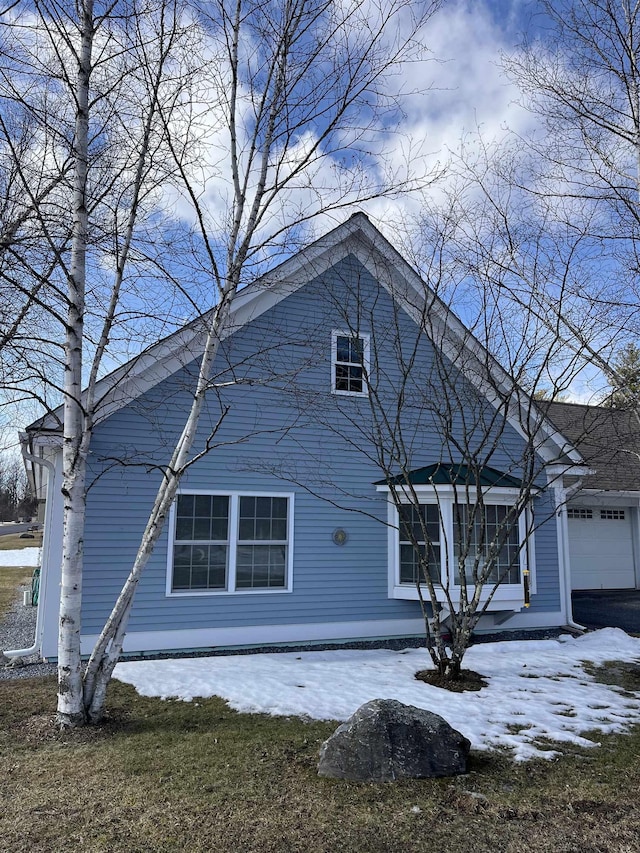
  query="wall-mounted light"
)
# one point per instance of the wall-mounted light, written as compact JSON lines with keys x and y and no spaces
{"x":340,"y":536}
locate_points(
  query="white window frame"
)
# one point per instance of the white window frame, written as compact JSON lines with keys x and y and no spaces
{"x":506,"y":596}
{"x":366,"y":362}
{"x":232,"y":543}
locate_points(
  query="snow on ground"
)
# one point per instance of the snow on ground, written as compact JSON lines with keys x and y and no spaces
{"x":20,"y":557}
{"x":538,"y":689}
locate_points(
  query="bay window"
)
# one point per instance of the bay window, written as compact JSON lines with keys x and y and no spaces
{"x":485,"y":537}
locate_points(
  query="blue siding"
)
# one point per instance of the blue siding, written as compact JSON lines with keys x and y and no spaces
{"x":283,"y":425}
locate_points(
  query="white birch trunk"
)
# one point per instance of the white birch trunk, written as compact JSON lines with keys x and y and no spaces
{"x":70,"y":705}
{"x":108,"y":648}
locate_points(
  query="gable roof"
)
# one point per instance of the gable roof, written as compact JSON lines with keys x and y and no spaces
{"x":608,"y":440}
{"x":358,"y":237}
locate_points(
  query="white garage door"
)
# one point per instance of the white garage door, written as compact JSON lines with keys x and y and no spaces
{"x":601,"y":548}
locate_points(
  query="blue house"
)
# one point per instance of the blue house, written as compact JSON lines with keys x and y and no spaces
{"x":348,"y":407}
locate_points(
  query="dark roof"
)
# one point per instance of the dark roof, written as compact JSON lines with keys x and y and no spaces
{"x":441,"y":474}
{"x":607,"y":439}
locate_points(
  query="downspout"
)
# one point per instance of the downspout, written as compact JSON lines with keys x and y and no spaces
{"x":565,"y":495}
{"x":38,"y":460}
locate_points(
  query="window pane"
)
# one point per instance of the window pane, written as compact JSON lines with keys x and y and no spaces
{"x":219,"y":529}
{"x":486,"y":539}
{"x":279,"y":529}
{"x":185,"y":505}
{"x":184,"y":528}
{"x":416,"y":521}
{"x":342,"y":348}
{"x":202,"y":528}
{"x":261,"y":566}
{"x":199,"y":567}
{"x":262,"y":519}
{"x":202,"y":517}
{"x":411,"y":566}
{"x":357,"y":351}
{"x":279,"y":507}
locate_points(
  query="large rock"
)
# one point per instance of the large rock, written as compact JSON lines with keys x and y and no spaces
{"x":386,"y":740}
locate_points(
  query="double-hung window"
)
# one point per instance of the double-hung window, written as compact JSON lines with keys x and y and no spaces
{"x":349,"y":363}
{"x":230,"y":543}
{"x":419,"y":542}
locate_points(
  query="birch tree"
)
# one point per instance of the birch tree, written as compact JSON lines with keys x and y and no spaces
{"x":302,"y":86}
{"x":251,"y":119}
{"x":97,"y":86}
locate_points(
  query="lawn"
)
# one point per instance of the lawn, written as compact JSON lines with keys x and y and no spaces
{"x":174,"y":776}
{"x":10,"y":578}
{"x":169,"y":775}
{"x":13,"y":541}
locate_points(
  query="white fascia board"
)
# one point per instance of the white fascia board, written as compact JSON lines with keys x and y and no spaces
{"x":455,"y":340}
{"x":162,"y":359}
{"x":556,"y":471}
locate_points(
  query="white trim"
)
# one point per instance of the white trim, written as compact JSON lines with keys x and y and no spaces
{"x":266,"y":635}
{"x":366,"y":362}
{"x":564,"y":554}
{"x":506,"y":596}
{"x":497,"y":494}
{"x":234,"y":500}
{"x":262,"y":635}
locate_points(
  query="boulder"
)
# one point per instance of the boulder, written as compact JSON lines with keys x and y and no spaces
{"x":386,"y":740}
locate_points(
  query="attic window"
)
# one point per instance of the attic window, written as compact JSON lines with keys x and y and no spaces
{"x":612,"y":514}
{"x":349,"y":363}
{"x":579,"y":512}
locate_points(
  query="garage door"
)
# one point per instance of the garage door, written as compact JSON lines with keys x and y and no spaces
{"x":601,"y":548}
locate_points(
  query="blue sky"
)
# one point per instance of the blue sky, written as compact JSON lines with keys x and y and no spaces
{"x":469,"y":94}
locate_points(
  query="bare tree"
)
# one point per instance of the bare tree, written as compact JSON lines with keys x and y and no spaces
{"x":90,"y":84}
{"x":285,"y":119}
{"x":463,"y":454}
{"x":315,"y":83}
{"x":582,"y":78}
{"x":627,"y":366}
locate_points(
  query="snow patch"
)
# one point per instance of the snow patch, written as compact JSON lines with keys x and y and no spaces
{"x":29,"y":557}
{"x":538,"y":690}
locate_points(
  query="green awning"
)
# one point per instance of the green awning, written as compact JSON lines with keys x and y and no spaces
{"x":442,"y":474}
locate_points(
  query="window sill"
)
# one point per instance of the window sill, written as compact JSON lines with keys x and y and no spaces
{"x":507,"y":596}
{"x":349,"y":393}
{"x":207,"y":593}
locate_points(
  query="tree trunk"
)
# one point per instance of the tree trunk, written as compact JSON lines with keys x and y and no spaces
{"x":70,"y":704}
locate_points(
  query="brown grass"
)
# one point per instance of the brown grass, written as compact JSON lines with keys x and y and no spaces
{"x":12,"y":541}
{"x":172,"y":776}
{"x":10,"y":579}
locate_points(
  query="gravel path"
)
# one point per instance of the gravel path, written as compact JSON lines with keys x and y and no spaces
{"x":17,"y":631}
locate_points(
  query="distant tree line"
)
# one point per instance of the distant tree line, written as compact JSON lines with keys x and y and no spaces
{"x":16,"y":500}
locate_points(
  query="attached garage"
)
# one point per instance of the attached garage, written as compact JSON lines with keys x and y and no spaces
{"x":601,"y":547}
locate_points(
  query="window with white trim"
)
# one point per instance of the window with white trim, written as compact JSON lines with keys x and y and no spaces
{"x":349,"y":363}
{"x":419,"y":525}
{"x":579,"y":512}
{"x":230,"y":543}
{"x":445,"y":531}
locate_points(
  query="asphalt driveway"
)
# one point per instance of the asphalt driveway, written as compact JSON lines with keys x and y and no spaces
{"x":606,"y":608}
